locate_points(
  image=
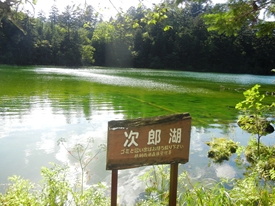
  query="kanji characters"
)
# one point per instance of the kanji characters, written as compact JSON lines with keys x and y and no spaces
{"x":154,"y":137}
{"x":130,"y":139}
{"x":175,"y":135}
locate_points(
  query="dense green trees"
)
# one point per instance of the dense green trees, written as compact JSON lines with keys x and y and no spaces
{"x":234,"y":15}
{"x":62,"y":39}
{"x":165,"y":36}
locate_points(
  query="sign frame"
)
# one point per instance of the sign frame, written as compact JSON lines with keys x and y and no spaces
{"x":149,"y":144}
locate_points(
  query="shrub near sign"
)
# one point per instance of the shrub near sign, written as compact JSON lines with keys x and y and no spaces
{"x":150,"y":141}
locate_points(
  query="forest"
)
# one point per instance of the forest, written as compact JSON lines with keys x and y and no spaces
{"x":163,"y":37}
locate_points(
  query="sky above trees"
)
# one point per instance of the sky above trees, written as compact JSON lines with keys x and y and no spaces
{"x":105,"y":7}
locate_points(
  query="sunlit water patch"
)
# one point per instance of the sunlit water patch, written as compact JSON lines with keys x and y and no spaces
{"x":111,"y":79}
{"x":243,"y":79}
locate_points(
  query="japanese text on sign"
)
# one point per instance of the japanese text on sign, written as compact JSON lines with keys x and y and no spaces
{"x":154,"y":137}
{"x":153,"y":141}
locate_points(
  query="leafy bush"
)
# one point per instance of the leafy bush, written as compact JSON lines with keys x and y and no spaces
{"x":264,"y":163}
{"x":20,"y":192}
{"x":246,"y":191}
{"x":55,"y":189}
{"x":254,"y":119}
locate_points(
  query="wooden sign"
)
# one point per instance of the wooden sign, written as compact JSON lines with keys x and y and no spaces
{"x":150,"y":141}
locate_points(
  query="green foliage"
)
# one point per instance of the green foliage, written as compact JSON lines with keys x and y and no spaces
{"x":94,"y":195}
{"x":104,"y":32}
{"x":157,"y":15}
{"x":251,"y":191}
{"x":272,"y":174}
{"x":237,"y":15}
{"x":87,"y":53}
{"x":252,"y":105}
{"x":255,"y":113}
{"x":55,"y":187}
{"x":157,"y":184}
{"x":245,"y":191}
{"x":265,"y":28}
{"x":263,"y":164}
{"x":203,"y":195}
{"x":55,"y":190}
{"x":20,"y":192}
{"x":234,"y":15}
{"x":221,"y":149}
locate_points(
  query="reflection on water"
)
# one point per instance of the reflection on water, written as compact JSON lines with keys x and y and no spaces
{"x":53,"y":103}
{"x":109,"y":77}
{"x":225,"y":171}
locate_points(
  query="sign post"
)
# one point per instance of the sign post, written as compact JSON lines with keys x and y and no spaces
{"x":148,"y":141}
{"x":173,"y":184}
{"x":114,"y":188}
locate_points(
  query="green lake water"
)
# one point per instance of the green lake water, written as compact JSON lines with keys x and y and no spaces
{"x":39,"y":105}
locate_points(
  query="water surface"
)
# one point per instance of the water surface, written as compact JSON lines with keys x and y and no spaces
{"x":39,"y":105}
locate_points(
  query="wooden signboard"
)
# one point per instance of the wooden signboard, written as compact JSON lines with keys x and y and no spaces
{"x":150,"y":141}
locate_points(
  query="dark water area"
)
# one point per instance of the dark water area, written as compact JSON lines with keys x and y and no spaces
{"x":39,"y":105}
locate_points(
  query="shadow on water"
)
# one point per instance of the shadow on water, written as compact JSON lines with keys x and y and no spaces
{"x":40,"y":105}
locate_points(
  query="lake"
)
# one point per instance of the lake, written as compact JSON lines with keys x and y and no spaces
{"x":40,"y":105}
